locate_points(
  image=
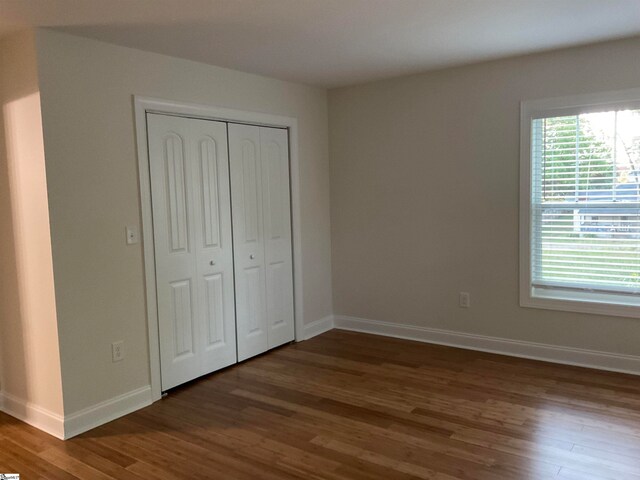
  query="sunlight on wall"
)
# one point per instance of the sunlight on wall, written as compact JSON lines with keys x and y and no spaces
{"x":31,"y":363}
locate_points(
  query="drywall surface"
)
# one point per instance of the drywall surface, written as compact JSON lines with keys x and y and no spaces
{"x":92,"y":173}
{"x":424,"y":195}
{"x":28,"y":328}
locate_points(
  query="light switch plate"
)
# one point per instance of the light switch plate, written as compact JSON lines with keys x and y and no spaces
{"x":132,"y":235}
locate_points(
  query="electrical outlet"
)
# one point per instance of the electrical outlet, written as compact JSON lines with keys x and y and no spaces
{"x":117,"y":351}
{"x":465,"y":300}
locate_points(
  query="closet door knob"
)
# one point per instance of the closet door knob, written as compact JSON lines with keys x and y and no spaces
{"x":252,"y":256}
{"x":212,"y":263}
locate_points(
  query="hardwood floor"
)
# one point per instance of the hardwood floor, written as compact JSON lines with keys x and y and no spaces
{"x":352,"y":406}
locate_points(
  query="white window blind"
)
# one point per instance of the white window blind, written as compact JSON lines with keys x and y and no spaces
{"x":585,"y":202}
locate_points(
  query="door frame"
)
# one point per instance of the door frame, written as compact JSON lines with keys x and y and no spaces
{"x":143,"y":105}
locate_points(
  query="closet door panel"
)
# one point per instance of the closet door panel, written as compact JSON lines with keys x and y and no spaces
{"x":274,"y":151}
{"x":248,"y":236}
{"x":175,"y":257}
{"x":213,"y":245}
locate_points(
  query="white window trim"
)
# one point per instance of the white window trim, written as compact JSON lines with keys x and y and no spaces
{"x":581,"y":302}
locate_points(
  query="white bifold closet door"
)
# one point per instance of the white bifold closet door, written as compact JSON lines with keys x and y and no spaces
{"x":189,"y":170}
{"x":259,"y":161}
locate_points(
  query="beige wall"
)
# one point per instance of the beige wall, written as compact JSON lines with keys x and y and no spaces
{"x":28,"y":329}
{"x":424,"y":195}
{"x":87,"y":89}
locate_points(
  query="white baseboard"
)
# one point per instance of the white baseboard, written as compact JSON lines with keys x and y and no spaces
{"x":34,"y":415}
{"x":536,"y":351}
{"x":318,"y":326}
{"x":96,"y":415}
{"x":106,"y":411}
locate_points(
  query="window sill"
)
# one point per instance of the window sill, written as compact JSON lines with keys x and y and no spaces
{"x":582,"y":302}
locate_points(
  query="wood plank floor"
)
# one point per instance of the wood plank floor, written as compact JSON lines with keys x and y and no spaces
{"x":352,"y":406}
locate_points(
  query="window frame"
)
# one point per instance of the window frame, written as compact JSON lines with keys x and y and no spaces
{"x":550,"y":299}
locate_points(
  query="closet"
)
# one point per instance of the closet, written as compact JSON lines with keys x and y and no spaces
{"x":222,"y":239}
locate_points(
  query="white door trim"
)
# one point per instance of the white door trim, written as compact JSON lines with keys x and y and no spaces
{"x":144,"y":105}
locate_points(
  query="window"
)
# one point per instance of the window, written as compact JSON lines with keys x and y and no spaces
{"x":580,"y":203}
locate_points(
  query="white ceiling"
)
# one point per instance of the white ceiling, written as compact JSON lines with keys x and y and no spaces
{"x":333,"y":42}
